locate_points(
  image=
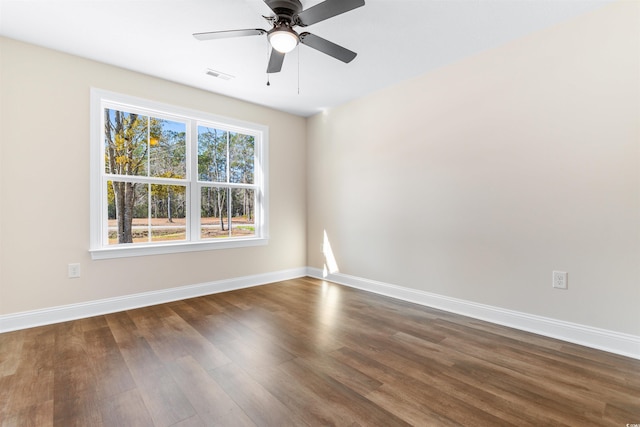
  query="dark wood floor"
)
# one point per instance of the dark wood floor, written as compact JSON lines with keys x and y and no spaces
{"x":303,"y":352}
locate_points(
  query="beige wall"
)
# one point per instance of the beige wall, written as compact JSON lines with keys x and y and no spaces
{"x":476,"y":181}
{"x":44,"y":185}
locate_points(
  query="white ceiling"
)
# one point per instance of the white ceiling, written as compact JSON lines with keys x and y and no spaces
{"x":395,"y":40}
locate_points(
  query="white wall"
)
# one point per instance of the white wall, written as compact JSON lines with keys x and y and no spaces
{"x":476,"y":181}
{"x":44,"y":185}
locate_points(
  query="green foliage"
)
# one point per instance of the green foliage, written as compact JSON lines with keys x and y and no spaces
{"x":212,"y":154}
{"x":241,"y":154}
{"x":168,"y":154}
{"x":143,"y":146}
{"x":126,"y":142}
{"x":226,"y":157}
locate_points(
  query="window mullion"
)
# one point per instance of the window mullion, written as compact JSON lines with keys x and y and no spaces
{"x":228,"y":189}
{"x":193,"y":225}
{"x":148,"y":146}
{"x":105,"y":211}
{"x":228,"y":157}
{"x":149,"y":216}
{"x":149,"y":198}
{"x":229,"y":207}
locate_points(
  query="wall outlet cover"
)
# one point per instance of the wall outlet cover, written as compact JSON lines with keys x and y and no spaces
{"x":73,"y":270}
{"x":559,"y":280}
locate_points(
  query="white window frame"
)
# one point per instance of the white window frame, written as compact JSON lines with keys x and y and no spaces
{"x":100,"y":249}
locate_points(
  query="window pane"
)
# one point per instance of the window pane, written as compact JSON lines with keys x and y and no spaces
{"x":214,"y":218}
{"x":167,"y":149}
{"x":241,"y":150}
{"x":168,"y":212}
{"x":128,"y":211}
{"x":125,"y":142}
{"x":243,"y":221}
{"x":212,"y":154}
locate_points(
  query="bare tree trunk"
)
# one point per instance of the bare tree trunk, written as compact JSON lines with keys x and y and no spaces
{"x":245,"y":205}
{"x":127,"y":229}
{"x":220,"y":205}
{"x":124,"y":198}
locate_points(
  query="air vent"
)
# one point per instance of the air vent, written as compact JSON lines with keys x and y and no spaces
{"x":219,"y":74}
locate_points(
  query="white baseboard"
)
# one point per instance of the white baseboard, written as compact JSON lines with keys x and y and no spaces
{"x":29,"y":319}
{"x":601,"y":339}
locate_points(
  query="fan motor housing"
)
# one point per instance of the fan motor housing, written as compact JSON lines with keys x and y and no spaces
{"x":285,"y":9}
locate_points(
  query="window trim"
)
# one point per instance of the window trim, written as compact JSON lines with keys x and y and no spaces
{"x":100,"y":98}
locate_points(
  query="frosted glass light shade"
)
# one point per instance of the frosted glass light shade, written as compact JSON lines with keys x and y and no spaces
{"x":284,"y":41}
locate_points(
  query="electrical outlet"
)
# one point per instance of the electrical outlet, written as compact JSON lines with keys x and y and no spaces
{"x":559,"y":280}
{"x":74,"y":270}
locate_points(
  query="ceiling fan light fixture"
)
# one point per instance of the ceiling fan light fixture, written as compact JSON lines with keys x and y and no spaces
{"x":283,"y":39}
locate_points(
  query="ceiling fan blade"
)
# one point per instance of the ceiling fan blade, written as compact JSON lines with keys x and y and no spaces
{"x":228,"y":34}
{"x":325,"y":46}
{"x":325,"y":10}
{"x":275,"y":61}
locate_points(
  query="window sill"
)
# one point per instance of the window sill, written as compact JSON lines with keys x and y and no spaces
{"x":126,"y":251}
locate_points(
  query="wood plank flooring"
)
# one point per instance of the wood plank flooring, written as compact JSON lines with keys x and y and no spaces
{"x":305,"y":353}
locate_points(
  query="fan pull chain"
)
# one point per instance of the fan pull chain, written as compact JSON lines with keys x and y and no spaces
{"x":268,"y":50}
{"x":299,"y":69}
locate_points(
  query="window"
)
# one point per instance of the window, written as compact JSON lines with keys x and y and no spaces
{"x":166,"y":179}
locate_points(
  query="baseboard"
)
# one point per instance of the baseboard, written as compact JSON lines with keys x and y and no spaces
{"x":601,"y":339}
{"x":30,"y":319}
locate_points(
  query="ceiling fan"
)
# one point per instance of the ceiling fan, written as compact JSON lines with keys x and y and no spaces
{"x":282,"y":36}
